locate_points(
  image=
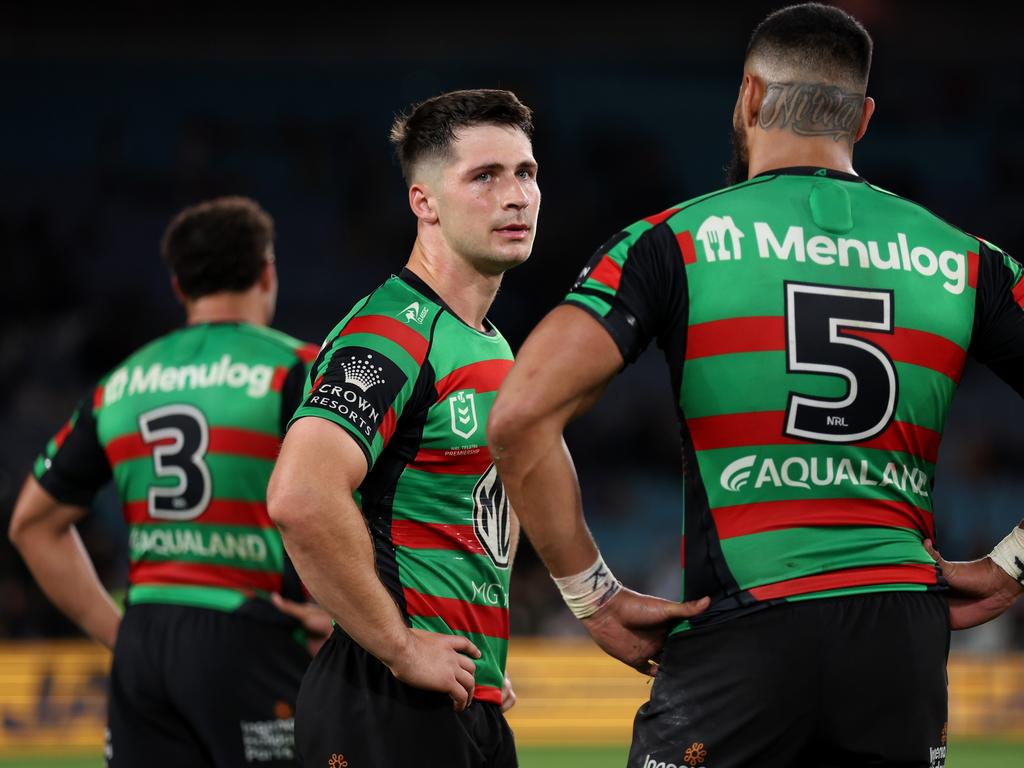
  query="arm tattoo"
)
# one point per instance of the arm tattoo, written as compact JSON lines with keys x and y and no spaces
{"x":812,"y":109}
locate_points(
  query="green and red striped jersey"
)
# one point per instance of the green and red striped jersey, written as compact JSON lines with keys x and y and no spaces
{"x":815,"y":329}
{"x":412,"y":384}
{"x":189,"y":427}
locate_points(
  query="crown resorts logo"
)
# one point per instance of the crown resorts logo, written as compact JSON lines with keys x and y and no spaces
{"x":362,"y":373}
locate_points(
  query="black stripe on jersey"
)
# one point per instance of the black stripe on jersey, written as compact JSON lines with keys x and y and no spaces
{"x":291,"y":394}
{"x":79,"y":468}
{"x":378,"y":487}
{"x":997,"y":339}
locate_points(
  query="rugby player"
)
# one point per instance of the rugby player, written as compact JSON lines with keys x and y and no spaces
{"x":815,"y":328}
{"x":385,"y":492}
{"x":206,"y":670}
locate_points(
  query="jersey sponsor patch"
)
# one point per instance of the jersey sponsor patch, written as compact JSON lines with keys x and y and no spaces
{"x":359,"y":385}
{"x":491,"y":519}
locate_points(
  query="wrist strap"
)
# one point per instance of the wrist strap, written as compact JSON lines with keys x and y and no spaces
{"x":588,"y":590}
{"x":1009,"y":555}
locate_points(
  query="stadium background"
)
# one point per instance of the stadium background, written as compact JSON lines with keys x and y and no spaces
{"x":115,"y":116}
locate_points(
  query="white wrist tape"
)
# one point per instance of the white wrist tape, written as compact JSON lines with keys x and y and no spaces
{"x":587,"y":591}
{"x":1009,"y":555}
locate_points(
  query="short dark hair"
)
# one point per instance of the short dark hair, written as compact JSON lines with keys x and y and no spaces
{"x":218,"y":245}
{"x":817,"y":39}
{"x":429,"y":128}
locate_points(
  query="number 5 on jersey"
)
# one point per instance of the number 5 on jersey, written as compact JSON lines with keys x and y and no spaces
{"x":182,"y":459}
{"x":816,"y":315}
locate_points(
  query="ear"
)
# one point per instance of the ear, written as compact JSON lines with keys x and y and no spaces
{"x":751,"y":95}
{"x":268,"y":275}
{"x":865,"y":118}
{"x":178,"y":293}
{"x":423,"y":203}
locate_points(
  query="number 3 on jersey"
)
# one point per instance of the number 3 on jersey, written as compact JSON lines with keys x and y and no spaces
{"x":182,"y":459}
{"x":816,"y":316}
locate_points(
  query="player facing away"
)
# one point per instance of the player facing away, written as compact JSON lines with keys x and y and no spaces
{"x":815,"y":328}
{"x":206,"y":670}
{"x":385,"y":492}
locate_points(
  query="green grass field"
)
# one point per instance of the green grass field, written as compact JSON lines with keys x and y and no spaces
{"x":970,"y":754}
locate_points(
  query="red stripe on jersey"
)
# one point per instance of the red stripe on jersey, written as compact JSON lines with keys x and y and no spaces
{"x":607,"y":272}
{"x":277,"y":383}
{"x":1018,"y":293}
{"x":768,"y":334}
{"x":204,"y":576}
{"x":452,"y":461}
{"x":416,"y":535}
{"x":765,"y":428}
{"x":745,"y":519}
{"x":910,"y":573}
{"x":736,"y":335}
{"x":97,"y":398}
{"x":317,"y":383}
{"x":389,"y":328}
{"x":686,"y":247}
{"x":387,"y":426}
{"x":218,"y":512}
{"x":972,"y":269}
{"x":62,"y":434}
{"x":483,"y":376}
{"x":657,"y":218}
{"x":487,"y":693}
{"x":307,"y":353}
{"x":458,"y":614}
{"x":228,"y":440}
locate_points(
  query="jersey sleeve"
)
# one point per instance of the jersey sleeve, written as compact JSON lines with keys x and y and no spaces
{"x":998,"y":337}
{"x":634,"y":286}
{"x":363,"y":380}
{"x":73,"y":466}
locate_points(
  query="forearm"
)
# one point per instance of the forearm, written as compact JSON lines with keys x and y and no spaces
{"x":333,"y":553}
{"x":540,"y":479}
{"x":65,"y":573}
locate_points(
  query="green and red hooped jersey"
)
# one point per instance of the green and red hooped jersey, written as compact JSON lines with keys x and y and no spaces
{"x":412,"y":385}
{"x":815,"y":329}
{"x":189,"y":426}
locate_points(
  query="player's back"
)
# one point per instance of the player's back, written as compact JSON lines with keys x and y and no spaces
{"x":816,"y":328}
{"x":189,"y":426}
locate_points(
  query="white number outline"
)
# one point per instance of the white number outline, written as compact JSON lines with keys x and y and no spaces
{"x":160,"y":452}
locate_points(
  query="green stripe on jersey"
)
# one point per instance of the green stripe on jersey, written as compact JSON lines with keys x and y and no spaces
{"x":774,"y":556}
{"x":240,"y":478}
{"x":217,"y":598}
{"x":418,"y":493}
{"x":456,"y":575}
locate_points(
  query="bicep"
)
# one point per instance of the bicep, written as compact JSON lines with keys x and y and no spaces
{"x":319,"y":455}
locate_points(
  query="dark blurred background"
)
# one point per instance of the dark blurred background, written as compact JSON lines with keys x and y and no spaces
{"x":113,"y":117}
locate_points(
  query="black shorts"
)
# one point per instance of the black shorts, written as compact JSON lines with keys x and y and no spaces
{"x":851,"y":681}
{"x":202,"y":688}
{"x":352,"y":711}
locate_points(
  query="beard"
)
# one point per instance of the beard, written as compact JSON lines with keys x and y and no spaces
{"x":737,"y":170}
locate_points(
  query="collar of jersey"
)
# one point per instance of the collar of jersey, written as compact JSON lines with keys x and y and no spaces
{"x":415,"y":282}
{"x":810,"y":170}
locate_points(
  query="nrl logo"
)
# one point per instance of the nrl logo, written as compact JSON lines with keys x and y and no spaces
{"x":463,"y":408}
{"x":414,"y":313}
{"x":491,"y":522}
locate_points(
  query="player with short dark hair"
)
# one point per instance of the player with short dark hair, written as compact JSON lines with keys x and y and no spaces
{"x":385,"y":492}
{"x":815,"y":328}
{"x":206,"y":669}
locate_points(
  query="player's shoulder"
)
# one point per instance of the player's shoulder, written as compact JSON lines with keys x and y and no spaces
{"x":275,"y":342}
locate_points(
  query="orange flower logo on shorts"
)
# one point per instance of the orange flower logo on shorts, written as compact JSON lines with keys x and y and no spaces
{"x":695,"y":754}
{"x":337,"y":761}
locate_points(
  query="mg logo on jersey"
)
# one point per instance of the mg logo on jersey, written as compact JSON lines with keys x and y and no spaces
{"x":737,"y":474}
{"x":491,"y":518}
{"x":463,"y":407}
{"x":414,"y":313}
{"x":714,"y":233}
